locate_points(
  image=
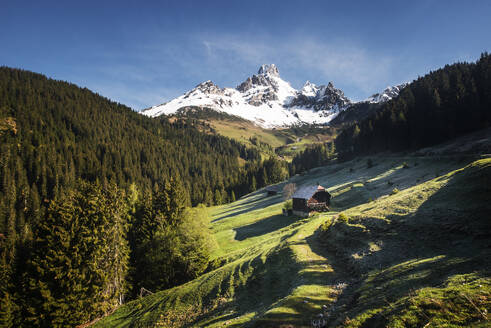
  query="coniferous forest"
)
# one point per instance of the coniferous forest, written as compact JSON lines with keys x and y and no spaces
{"x":442,"y":105}
{"x":93,"y":195}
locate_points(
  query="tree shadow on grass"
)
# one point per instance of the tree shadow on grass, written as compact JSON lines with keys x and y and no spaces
{"x":447,"y":235}
{"x":249,"y":206}
{"x":265,"y":226}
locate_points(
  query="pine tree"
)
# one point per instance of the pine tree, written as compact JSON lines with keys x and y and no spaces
{"x":80,"y":258}
{"x":208,"y":197}
{"x":218,"y":197}
{"x":332,"y":150}
{"x":264,"y":179}
{"x":170,"y":202}
{"x":253,"y":185}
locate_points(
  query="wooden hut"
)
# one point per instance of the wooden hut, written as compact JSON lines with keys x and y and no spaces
{"x":310,"y":198}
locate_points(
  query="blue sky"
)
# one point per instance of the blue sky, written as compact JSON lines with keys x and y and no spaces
{"x":143,"y":53}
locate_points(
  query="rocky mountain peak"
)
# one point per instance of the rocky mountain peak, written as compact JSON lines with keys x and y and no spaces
{"x":309,"y":89}
{"x":208,"y":87}
{"x":270,"y":69}
{"x":267,"y":76}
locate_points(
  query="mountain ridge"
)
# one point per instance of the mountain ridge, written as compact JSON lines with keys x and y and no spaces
{"x":269,"y":101}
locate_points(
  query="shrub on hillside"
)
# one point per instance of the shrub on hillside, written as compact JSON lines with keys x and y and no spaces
{"x":326,"y":225}
{"x":343,"y":218}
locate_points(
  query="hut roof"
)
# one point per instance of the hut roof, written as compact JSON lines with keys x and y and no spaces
{"x":307,"y":191}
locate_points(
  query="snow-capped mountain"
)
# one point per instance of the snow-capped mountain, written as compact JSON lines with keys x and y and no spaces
{"x":265,"y":99}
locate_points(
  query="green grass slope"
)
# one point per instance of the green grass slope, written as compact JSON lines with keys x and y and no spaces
{"x":412,"y":250}
{"x":285,"y":141}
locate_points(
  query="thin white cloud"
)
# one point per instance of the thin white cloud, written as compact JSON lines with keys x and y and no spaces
{"x":335,"y":61}
{"x":152,"y":73}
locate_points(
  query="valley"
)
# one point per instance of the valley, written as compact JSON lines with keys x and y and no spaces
{"x":169,"y":221}
{"x":157,"y":170}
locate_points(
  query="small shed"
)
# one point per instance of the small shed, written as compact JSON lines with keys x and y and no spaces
{"x":310,"y":198}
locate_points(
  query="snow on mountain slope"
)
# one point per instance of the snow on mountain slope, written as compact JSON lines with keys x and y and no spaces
{"x":264,"y":99}
{"x":387,"y":94}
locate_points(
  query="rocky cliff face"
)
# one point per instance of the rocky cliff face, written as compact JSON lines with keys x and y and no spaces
{"x":320,"y":98}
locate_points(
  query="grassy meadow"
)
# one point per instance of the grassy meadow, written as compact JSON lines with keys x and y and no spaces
{"x":411,"y":249}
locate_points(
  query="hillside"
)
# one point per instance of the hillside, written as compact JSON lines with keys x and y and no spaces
{"x":234,"y":127}
{"x":66,"y":133}
{"x":245,"y":164}
{"x":410,"y":249}
{"x":284,"y":142}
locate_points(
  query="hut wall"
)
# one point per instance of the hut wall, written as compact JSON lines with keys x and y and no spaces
{"x":300,"y":204}
{"x":302,"y":214}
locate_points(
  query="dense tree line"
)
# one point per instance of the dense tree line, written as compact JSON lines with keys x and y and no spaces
{"x":92,"y":193}
{"x":62,"y":132}
{"x":444,"y":104}
{"x":97,"y":246}
{"x":313,"y":156}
